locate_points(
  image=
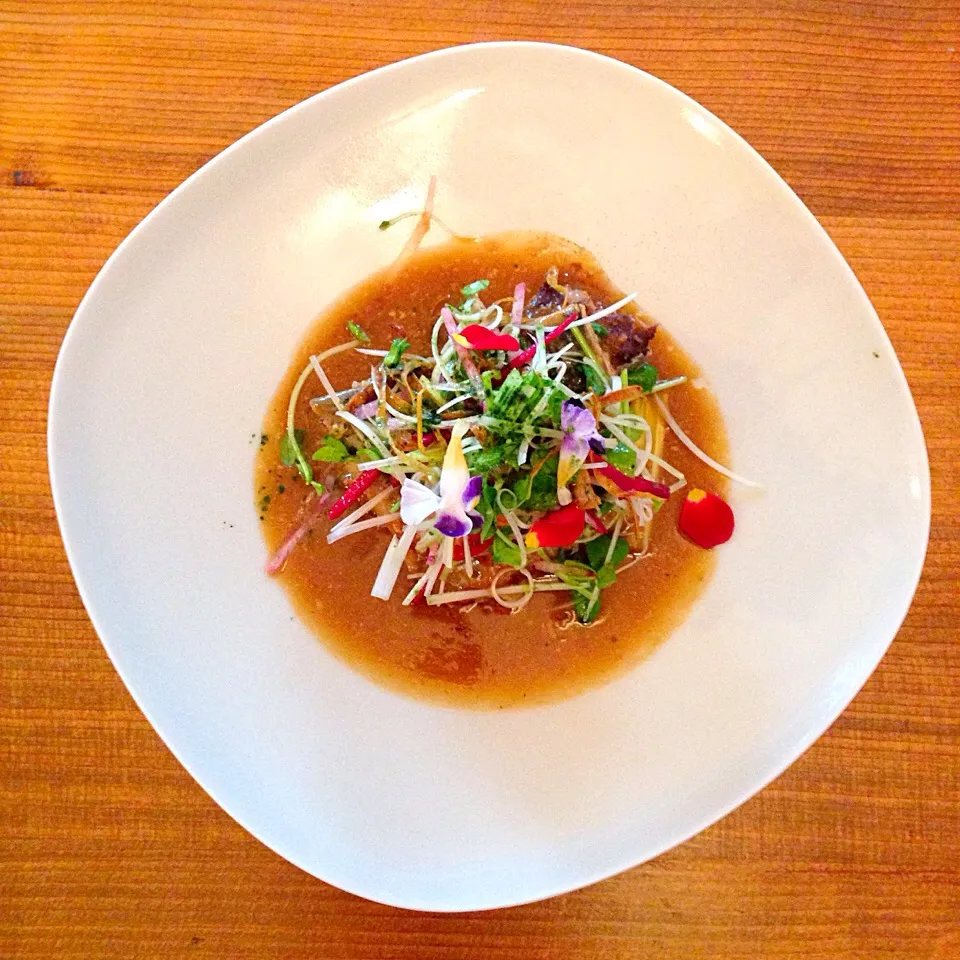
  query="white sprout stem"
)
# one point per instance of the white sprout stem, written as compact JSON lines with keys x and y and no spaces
{"x":461,"y":596}
{"x":360,"y":527}
{"x":394,"y":412}
{"x":392,"y":562}
{"x":325,"y":380}
{"x":366,"y":431}
{"x":696,"y":451}
{"x":349,"y":520}
{"x":452,"y":403}
{"x":605,"y":312}
{"x":518,"y":535}
{"x":666,"y":384}
{"x":524,"y":599}
{"x":467,"y":558}
{"x":522,"y":451}
{"x":378,"y":464}
{"x":295,"y":395}
{"x":613,"y":539}
{"x":372,"y":353}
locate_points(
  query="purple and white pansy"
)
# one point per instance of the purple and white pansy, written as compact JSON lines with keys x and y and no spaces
{"x":453,"y":500}
{"x":580,"y":436}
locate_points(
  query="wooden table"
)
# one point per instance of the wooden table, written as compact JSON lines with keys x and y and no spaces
{"x":109,"y":848}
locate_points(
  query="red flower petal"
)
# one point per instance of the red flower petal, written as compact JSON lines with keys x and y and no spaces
{"x":635,"y":484}
{"x":706,"y":519}
{"x":481,"y":338}
{"x":559,"y":528}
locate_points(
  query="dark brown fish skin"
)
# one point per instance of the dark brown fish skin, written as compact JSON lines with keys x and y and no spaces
{"x":627,"y":339}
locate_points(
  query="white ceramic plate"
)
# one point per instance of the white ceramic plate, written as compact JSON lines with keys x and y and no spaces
{"x":174,"y":352}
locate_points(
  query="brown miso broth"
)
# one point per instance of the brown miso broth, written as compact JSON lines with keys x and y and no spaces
{"x":484,"y":657}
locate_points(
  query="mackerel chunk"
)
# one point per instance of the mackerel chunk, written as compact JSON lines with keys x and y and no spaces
{"x":628,"y":339}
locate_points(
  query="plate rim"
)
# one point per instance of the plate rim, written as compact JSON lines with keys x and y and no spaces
{"x":801,"y":745}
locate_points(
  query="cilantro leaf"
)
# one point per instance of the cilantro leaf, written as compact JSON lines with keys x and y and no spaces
{"x":397,"y":346}
{"x":599,"y":329}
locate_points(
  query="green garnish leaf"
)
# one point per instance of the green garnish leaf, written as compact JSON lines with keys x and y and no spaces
{"x":599,"y":329}
{"x":606,"y":575}
{"x":505,"y":551}
{"x":397,"y":346}
{"x":643,"y":376}
{"x":319,"y":487}
{"x":331,"y":450}
{"x":623,"y":458}
{"x":472,"y":289}
{"x":543,"y":490}
{"x":489,"y":458}
{"x":597,"y":552}
{"x":367,"y":453}
{"x":357,"y":332}
{"x":586,"y":608}
{"x":594,"y":381}
{"x":290,"y":447}
{"x":487,"y":508}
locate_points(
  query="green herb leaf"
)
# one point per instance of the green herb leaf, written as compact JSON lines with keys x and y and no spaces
{"x":543,"y":490}
{"x":606,"y":575}
{"x":288,"y":451}
{"x":489,"y":458}
{"x":505,"y":551}
{"x":643,"y":376}
{"x":290,"y":447}
{"x":397,"y":346}
{"x":331,"y":450}
{"x":586,"y":608}
{"x":623,"y":458}
{"x":357,"y":332}
{"x":599,"y":329}
{"x":487,"y":508}
{"x":472,"y":289}
{"x":597,"y":552}
{"x":594,"y":381}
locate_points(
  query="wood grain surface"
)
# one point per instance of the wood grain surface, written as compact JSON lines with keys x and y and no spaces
{"x":109,"y":849}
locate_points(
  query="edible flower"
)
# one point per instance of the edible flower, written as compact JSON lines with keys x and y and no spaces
{"x":453,"y":500}
{"x":478,"y":337}
{"x":580,"y":436}
{"x":558,"y":528}
{"x":706,"y":519}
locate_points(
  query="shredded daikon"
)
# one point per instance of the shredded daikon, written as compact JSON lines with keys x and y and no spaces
{"x":696,"y":451}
